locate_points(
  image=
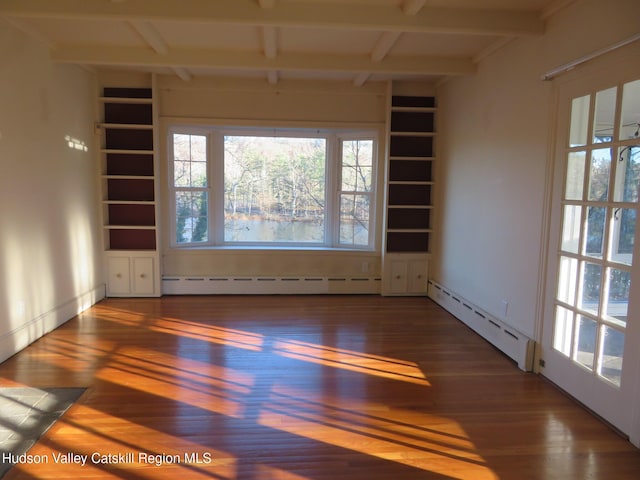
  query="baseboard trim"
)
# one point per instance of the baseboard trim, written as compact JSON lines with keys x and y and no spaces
{"x":505,"y":338}
{"x":22,"y":336}
{"x":270,"y":285}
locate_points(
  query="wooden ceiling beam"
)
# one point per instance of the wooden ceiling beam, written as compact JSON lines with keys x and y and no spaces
{"x":217,"y":59}
{"x":270,"y":41}
{"x":287,"y":13}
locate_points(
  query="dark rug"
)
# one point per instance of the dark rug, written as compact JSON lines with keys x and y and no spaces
{"x":26,"y":413}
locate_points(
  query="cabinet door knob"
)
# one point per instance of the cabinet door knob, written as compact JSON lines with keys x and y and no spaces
{"x":118,"y":275}
{"x":142,"y":275}
{"x":398,"y":277}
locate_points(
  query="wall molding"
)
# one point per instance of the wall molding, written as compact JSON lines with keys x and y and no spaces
{"x":22,"y":336}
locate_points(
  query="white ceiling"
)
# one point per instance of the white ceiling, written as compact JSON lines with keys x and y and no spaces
{"x":354,"y":40}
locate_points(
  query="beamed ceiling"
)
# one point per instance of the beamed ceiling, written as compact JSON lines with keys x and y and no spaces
{"x":348,"y":40}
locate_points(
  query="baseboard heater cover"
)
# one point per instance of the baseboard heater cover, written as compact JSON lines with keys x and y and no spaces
{"x":511,"y":342}
{"x":242,"y":285}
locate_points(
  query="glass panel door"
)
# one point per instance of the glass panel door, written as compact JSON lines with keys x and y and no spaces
{"x":597,"y":205}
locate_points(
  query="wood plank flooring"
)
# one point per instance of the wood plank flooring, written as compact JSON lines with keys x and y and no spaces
{"x":301,"y":387}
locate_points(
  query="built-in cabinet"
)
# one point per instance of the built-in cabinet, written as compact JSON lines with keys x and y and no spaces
{"x":406,"y":274}
{"x":129,"y":191}
{"x":409,"y":196}
{"x":131,"y":274}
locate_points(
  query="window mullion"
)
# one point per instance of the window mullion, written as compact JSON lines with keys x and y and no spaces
{"x":332,"y":202}
{"x":216,"y":199}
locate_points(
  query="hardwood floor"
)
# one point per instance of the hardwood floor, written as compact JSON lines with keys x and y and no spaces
{"x":301,"y":387}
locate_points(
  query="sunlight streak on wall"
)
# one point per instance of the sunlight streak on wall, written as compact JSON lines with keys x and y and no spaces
{"x":27,"y":296}
{"x":81,"y":241}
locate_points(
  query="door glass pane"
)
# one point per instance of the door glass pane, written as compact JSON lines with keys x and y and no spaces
{"x":563,"y":332}
{"x":630,"y":117}
{"x":579,"y":121}
{"x":623,"y":233}
{"x":571,"y":228}
{"x":604,"y":115}
{"x":627,"y":174}
{"x":590,"y":290}
{"x":567,"y":280}
{"x":575,"y":176}
{"x":594,"y":234}
{"x":585,"y":347}
{"x":612,"y":351}
{"x":618,"y":286}
{"x":599,"y":175}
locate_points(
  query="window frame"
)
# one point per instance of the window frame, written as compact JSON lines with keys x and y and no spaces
{"x":334,"y":136}
{"x":173,"y":189}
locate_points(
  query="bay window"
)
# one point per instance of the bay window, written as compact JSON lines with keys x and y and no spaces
{"x":284,"y":188}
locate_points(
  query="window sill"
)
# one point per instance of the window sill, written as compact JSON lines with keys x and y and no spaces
{"x":241,"y":249}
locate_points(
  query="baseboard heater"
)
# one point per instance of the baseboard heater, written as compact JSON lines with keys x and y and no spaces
{"x":512,"y":343}
{"x":269,"y":285}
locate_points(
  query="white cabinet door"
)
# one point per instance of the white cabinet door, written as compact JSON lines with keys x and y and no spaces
{"x":417,"y":277}
{"x":131,"y":274}
{"x":119,"y":276}
{"x":405,"y":274}
{"x":143,"y":275}
{"x":398,"y":281}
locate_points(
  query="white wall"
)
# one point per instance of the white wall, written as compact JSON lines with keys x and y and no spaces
{"x":49,"y":231}
{"x":495,"y":137}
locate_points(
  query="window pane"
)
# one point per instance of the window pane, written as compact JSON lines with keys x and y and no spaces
{"x":190,"y":160}
{"x":181,"y":173}
{"x":274,"y":189}
{"x":575,"y":176}
{"x":618,"y":287}
{"x":594,"y":241}
{"x":191,"y":217}
{"x":563,"y":330}
{"x":585,"y":341}
{"x":198,"y":148}
{"x":357,"y":165}
{"x":604,"y":115}
{"x":579,"y":121}
{"x":590,"y":290}
{"x":571,"y":228}
{"x":623,"y":233}
{"x":354,"y":220}
{"x":627,"y":175}
{"x":567,"y":280}
{"x":612,"y":351}
{"x":629,"y":116}
{"x":599,"y":175}
{"x":181,"y":146}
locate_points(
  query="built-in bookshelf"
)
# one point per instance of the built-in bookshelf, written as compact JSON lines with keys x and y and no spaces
{"x":129,"y":202}
{"x":128,"y":169}
{"x":410,"y":176}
